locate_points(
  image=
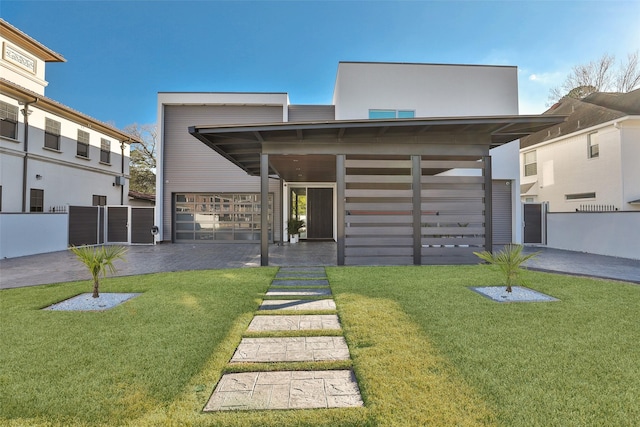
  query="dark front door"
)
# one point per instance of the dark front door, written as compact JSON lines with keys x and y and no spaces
{"x":320,"y":213}
{"x":532,"y":223}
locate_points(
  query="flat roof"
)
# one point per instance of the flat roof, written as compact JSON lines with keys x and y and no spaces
{"x":243,"y":144}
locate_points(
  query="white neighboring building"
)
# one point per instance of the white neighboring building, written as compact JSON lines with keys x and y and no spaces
{"x":52,"y":156}
{"x":591,"y":162}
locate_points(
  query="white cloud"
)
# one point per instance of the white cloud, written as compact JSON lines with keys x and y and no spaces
{"x":550,"y":78}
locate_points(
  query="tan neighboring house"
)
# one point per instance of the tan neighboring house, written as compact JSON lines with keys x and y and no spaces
{"x":590,"y":162}
{"x":52,"y":156}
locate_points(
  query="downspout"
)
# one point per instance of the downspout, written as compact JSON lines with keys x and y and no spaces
{"x":122,"y":145}
{"x":25,"y":112}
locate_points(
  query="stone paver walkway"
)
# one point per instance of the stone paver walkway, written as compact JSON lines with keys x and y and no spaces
{"x":291,"y":389}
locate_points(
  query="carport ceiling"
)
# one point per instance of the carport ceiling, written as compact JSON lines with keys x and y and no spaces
{"x":243,"y":144}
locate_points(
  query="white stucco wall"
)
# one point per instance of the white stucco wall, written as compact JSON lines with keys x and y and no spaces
{"x":64,"y":177}
{"x":630,"y":156}
{"x":32,"y":233}
{"x":613,"y":234}
{"x":432,"y":90}
{"x":504,"y":165}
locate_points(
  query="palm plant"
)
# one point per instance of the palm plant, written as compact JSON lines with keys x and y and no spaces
{"x":98,"y":260}
{"x":294,"y":225}
{"x":509,"y":261}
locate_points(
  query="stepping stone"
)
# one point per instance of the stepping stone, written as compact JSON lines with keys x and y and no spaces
{"x":299,"y":292}
{"x":291,"y":349}
{"x":299,"y":304}
{"x":285,"y":283}
{"x":299,"y":274}
{"x":302,"y":269}
{"x":294,"y":323}
{"x":285,"y":390}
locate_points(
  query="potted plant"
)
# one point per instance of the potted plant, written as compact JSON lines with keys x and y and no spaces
{"x":293,"y":229}
{"x":509,"y":261}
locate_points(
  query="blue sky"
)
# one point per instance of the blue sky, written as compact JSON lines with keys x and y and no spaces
{"x":120,"y":54}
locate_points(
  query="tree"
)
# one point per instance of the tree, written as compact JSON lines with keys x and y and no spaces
{"x":628,"y":77}
{"x":142,"y":163}
{"x":98,"y":260}
{"x":599,"y":76}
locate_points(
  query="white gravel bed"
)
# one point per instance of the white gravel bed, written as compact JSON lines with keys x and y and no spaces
{"x":518,"y":294}
{"x":85,"y":302}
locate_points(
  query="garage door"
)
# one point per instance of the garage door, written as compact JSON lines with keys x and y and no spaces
{"x":502,"y":212}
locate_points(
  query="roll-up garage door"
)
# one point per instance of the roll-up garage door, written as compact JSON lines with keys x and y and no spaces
{"x":502,"y":212}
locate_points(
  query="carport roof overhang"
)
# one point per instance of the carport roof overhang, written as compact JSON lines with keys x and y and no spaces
{"x":243,"y":144}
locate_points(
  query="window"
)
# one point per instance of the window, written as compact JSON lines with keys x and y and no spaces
{"x":392,"y":114}
{"x":37,"y":200}
{"x":8,"y":120}
{"x":592,"y":145}
{"x":105,"y":151}
{"x":406,"y":114}
{"x":530,"y":164}
{"x":99,"y":200}
{"x":52,"y":134}
{"x":579,"y":196}
{"x":83,"y":144}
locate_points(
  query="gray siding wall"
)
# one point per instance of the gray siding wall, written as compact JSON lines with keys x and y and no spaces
{"x":191,"y":166}
{"x":309,"y":113}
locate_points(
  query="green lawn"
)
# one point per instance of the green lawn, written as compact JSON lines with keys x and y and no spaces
{"x":426,"y":351}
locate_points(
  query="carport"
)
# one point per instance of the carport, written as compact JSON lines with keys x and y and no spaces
{"x":410,"y":191}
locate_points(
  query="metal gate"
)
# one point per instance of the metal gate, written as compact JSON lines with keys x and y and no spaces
{"x":534,"y":225}
{"x":94,"y":225}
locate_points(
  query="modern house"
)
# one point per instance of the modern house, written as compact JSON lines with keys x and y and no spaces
{"x":591,"y":162}
{"x":52,"y":156}
{"x":410,"y":164}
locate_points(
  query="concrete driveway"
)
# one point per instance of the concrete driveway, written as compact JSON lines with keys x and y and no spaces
{"x":62,"y":266}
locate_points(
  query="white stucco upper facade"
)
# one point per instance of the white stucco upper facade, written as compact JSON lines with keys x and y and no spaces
{"x":430,"y":90}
